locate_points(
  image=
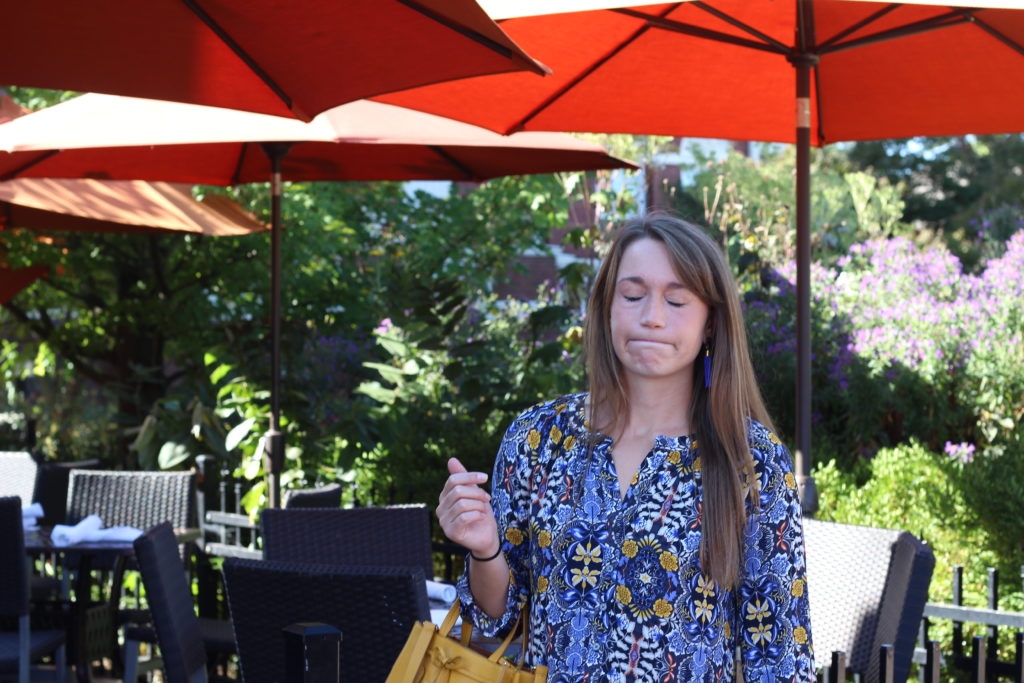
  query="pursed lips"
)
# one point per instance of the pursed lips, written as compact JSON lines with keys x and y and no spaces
{"x":650,"y":341}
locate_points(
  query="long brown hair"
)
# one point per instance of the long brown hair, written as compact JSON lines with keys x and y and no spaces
{"x":718,"y":416}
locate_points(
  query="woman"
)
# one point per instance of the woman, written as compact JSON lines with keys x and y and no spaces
{"x":651,"y":526}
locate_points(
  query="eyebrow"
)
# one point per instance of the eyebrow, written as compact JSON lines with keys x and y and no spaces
{"x":638,"y":279}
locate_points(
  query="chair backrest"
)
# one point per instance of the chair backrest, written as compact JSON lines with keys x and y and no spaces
{"x":52,"y":481}
{"x":138,"y":499}
{"x":373,"y":607}
{"x":14,"y":586}
{"x":867,"y":588}
{"x":171,"y":605}
{"x":397,"y":535}
{"x":18,"y":475}
{"x":328,"y":496}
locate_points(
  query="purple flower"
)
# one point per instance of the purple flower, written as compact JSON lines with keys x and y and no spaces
{"x":961,"y":452}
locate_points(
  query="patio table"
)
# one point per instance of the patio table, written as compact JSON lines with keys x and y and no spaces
{"x":90,"y":620}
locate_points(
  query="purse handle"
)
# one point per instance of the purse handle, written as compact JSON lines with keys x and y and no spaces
{"x":467,"y":632}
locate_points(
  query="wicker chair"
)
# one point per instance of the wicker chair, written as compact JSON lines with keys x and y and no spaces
{"x":24,"y":646}
{"x":187,"y":642}
{"x":867,"y":588}
{"x":18,"y":475}
{"x":328,"y":496}
{"x":397,"y":535}
{"x":137,"y":499}
{"x":373,"y":607}
{"x":51,"y":489}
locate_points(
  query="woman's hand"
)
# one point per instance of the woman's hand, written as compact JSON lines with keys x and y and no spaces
{"x":464,"y":511}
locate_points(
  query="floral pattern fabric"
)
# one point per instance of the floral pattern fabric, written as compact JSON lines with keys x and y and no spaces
{"x":614,"y":585}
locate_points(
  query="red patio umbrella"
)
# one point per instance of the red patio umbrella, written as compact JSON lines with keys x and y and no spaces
{"x":288,"y":58}
{"x":115,"y":137}
{"x":809,"y":72}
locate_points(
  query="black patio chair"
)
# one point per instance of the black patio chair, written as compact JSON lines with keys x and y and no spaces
{"x":23,"y":646}
{"x":51,"y":488}
{"x":122,"y":498}
{"x":188,"y":643}
{"x":327,"y":496}
{"x":373,"y":607}
{"x":387,"y":536}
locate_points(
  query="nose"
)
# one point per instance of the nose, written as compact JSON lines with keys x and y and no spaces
{"x":653,"y":313}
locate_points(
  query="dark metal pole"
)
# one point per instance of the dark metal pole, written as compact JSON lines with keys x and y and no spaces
{"x":803,"y":64}
{"x":274,"y":454}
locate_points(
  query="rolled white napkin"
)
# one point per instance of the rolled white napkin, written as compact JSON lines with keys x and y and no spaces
{"x":33,"y":511}
{"x":64,"y":534}
{"x":116,"y":533}
{"x":30,"y":515}
{"x":445,"y":592}
{"x":91,"y":529}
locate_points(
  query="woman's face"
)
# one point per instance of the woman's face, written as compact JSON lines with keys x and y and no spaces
{"x":657,"y":324}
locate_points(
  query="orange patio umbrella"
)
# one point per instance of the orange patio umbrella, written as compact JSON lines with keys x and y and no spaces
{"x":295,"y":58}
{"x":104,"y":136}
{"x":122,"y":206}
{"x":126,"y":206}
{"x":809,"y":72}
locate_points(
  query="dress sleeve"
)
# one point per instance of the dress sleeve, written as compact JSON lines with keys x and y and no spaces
{"x":772,"y":606}
{"x":510,"y":500}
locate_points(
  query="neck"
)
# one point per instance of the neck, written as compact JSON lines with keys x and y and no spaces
{"x":659,"y":408}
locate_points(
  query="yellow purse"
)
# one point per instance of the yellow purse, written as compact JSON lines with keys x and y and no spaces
{"x":433,"y":655}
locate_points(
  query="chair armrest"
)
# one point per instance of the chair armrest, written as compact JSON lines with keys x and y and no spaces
{"x":230,"y":519}
{"x":228,"y":550}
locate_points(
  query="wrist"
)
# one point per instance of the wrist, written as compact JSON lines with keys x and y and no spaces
{"x":486,"y":558}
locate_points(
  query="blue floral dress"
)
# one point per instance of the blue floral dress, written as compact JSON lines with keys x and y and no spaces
{"x":614,"y":586}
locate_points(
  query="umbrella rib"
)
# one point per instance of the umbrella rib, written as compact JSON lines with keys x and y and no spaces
{"x":472,"y":35}
{"x":853,"y":28}
{"x":573,"y":82}
{"x":237,"y":49}
{"x":236,"y":175}
{"x":954,"y":18}
{"x":16,"y":172}
{"x":465,"y":170}
{"x":768,"y":45}
{"x":989,"y":29}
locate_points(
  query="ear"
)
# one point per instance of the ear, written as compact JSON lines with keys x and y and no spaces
{"x":709,"y":326}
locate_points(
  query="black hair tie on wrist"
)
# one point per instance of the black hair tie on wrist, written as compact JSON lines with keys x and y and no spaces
{"x":486,"y":559}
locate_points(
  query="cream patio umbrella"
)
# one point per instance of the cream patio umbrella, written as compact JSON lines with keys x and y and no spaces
{"x":117,"y":137}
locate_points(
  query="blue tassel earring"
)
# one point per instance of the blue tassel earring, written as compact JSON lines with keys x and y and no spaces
{"x":707,"y":366}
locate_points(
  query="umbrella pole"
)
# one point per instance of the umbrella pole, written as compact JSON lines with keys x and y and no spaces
{"x":805,"y":482}
{"x":274,"y":455}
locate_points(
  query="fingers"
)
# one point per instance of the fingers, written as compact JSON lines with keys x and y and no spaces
{"x":468,"y":522}
{"x":463,"y":505}
{"x":459,"y":476}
